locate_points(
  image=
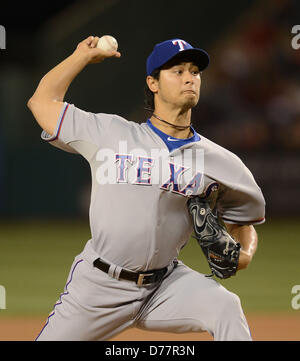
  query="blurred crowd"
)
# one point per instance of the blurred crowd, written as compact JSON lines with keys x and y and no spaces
{"x":252,"y":99}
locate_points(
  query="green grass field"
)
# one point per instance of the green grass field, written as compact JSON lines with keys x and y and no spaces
{"x":35,"y":258}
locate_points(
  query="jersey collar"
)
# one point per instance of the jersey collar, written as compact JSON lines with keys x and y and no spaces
{"x":172,"y":142}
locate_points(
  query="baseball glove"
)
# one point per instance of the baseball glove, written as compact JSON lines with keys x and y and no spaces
{"x":221,"y":250}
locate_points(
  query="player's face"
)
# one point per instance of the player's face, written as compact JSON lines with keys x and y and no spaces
{"x":179,"y":85}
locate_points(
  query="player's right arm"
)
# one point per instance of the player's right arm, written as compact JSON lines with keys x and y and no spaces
{"x":246,"y":235}
{"x":47,"y":101}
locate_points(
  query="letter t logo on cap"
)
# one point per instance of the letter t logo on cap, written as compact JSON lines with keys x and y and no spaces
{"x":180,"y":43}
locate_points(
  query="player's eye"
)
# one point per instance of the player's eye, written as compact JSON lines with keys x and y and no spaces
{"x":178,"y":71}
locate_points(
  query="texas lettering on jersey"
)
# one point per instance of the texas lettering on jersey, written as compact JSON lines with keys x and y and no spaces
{"x":181,"y":173}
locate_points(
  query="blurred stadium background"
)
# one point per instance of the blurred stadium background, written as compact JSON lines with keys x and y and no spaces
{"x":250,"y":104}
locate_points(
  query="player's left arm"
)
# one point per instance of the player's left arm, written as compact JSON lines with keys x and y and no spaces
{"x":246,"y":235}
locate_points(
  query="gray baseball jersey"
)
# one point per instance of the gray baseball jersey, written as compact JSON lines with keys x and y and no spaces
{"x":139,"y":219}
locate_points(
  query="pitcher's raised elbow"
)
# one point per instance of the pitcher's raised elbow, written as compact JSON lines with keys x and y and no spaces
{"x":30,"y":103}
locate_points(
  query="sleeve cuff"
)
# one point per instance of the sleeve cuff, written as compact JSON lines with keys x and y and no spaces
{"x":234,"y":221}
{"x":54,"y":139}
{"x":50,"y":138}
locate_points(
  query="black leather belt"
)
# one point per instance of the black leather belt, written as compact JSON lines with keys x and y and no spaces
{"x":140,"y":278}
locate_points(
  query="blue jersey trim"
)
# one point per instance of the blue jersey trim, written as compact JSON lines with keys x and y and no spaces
{"x":171,"y":142}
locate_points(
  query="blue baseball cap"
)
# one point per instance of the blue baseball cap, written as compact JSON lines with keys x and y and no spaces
{"x":169,"y":49}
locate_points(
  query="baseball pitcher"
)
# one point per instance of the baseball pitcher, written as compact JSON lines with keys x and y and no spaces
{"x":154,"y":185}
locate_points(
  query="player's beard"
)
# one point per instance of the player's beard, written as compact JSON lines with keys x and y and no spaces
{"x":177,"y":100}
{"x":191,"y":101}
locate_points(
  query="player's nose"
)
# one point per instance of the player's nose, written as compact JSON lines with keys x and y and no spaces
{"x":188,"y":77}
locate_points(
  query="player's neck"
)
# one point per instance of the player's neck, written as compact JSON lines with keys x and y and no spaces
{"x":179,"y":126}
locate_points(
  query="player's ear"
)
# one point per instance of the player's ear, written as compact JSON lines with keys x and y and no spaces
{"x":152,"y":83}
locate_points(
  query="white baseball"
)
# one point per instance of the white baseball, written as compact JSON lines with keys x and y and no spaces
{"x":107,"y":43}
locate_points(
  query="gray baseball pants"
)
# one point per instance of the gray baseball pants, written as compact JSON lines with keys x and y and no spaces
{"x":95,"y":306}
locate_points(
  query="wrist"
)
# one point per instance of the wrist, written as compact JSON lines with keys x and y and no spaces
{"x":80,"y":58}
